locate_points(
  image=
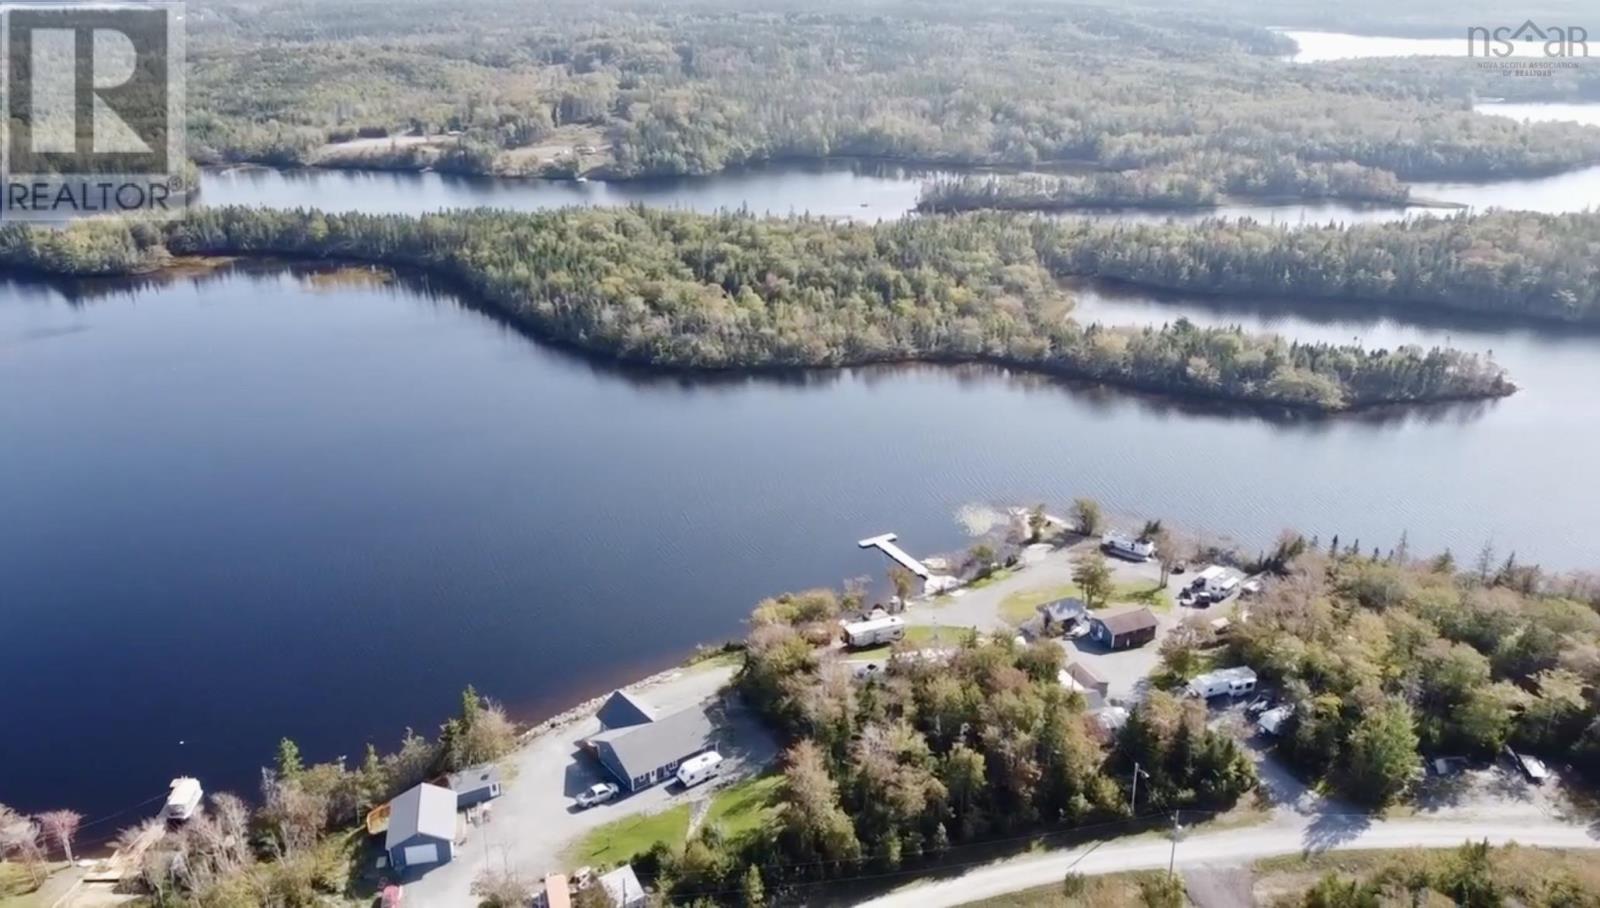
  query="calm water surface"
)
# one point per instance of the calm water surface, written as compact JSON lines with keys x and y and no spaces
{"x":268,"y":503}
{"x":271,"y":502}
{"x":835,"y":189}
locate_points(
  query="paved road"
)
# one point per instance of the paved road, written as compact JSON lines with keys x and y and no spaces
{"x":1499,"y":808}
{"x":1232,"y":847}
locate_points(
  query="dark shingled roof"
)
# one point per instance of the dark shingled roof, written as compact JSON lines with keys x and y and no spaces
{"x":621,"y":710}
{"x":427,"y":810}
{"x":644,"y":748}
{"x":474,"y":778}
{"x":1127,"y":622}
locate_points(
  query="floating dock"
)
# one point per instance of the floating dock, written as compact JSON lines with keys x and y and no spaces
{"x":885,"y":543}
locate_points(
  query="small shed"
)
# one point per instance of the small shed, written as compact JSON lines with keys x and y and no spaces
{"x":1063,"y":613}
{"x":475,"y":785}
{"x":622,"y":884}
{"x":623,"y":710}
{"x":1088,"y":678}
{"x":1125,"y":630}
{"x":422,"y":827}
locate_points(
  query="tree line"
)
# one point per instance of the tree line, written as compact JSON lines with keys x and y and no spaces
{"x":893,"y":770}
{"x":706,"y":86}
{"x":732,"y":291}
{"x":1389,"y":659}
{"x":1200,"y":181}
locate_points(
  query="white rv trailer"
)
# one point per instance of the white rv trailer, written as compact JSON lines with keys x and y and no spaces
{"x":874,"y":631}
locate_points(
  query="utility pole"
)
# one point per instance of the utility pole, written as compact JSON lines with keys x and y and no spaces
{"x":1177,"y":830}
{"x":1133,"y":799}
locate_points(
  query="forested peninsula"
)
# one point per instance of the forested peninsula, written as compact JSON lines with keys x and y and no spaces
{"x":620,"y":90}
{"x":732,"y":291}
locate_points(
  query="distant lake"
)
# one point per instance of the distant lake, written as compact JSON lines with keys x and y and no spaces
{"x":1320,"y":47}
{"x":287,"y":501}
{"x":1543,"y":112}
{"x":852,"y":190}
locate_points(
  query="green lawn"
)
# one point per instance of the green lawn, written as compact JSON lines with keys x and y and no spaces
{"x":1020,"y":607}
{"x":737,"y":810}
{"x":617,"y":841}
{"x":745,"y":807}
{"x":918,"y":635}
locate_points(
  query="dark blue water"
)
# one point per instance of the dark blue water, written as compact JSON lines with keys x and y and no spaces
{"x":270,"y":502}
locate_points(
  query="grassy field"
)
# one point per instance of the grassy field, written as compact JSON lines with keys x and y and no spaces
{"x":1118,"y":890}
{"x":1021,"y":606}
{"x":736,"y":810}
{"x":1530,"y":876}
{"x":620,"y":840}
{"x":918,"y":635}
{"x":17,"y":889}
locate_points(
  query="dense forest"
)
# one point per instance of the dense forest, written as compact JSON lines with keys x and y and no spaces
{"x":892,"y":771}
{"x":1385,"y":657}
{"x":735,"y":291}
{"x":300,"y":844}
{"x":1203,"y":181}
{"x":1505,"y":262}
{"x":629,"y":90}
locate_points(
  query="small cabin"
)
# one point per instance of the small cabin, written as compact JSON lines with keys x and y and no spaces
{"x":475,"y":785}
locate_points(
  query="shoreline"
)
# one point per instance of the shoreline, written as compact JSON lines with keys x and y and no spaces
{"x":471,"y":295}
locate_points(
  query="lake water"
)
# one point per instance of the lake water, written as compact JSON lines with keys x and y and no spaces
{"x":273,"y":501}
{"x":270,"y":502}
{"x":836,"y":189}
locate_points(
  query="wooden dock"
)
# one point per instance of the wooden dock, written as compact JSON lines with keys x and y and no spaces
{"x":885,"y":543}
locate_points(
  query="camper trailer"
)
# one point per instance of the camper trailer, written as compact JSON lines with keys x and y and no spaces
{"x":1128,"y":547}
{"x":699,"y":769}
{"x":1234,"y":682}
{"x":874,"y":631}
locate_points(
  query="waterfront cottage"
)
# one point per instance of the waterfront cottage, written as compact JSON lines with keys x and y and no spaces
{"x":422,"y":828}
{"x":475,"y":785}
{"x":642,"y":755}
{"x":1125,"y":630}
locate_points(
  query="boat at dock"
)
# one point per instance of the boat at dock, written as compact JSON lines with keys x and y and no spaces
{"x":183,"y":799}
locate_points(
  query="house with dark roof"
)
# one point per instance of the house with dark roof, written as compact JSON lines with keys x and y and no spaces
{"x":1063,"y":614}
{"x":422,"y":828}
{"x":475,"y":785}
{"x":623,"y":710}
{"x":642,"y":755}
{"x":1125,"y":630}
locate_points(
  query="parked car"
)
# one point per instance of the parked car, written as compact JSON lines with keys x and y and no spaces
{"x":1179,"y":567}
{"x":1260,"y":705}
{"x":598,"y":793}
{"x":1530,"y":766}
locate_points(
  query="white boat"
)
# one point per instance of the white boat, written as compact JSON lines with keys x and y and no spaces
{"x":184,"y":799}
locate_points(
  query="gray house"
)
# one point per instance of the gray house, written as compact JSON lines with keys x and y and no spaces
{"x":475,"y":785}
{"x":622,"y":710}
{"x":642,"y":755}
{"x":422,"y":828}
